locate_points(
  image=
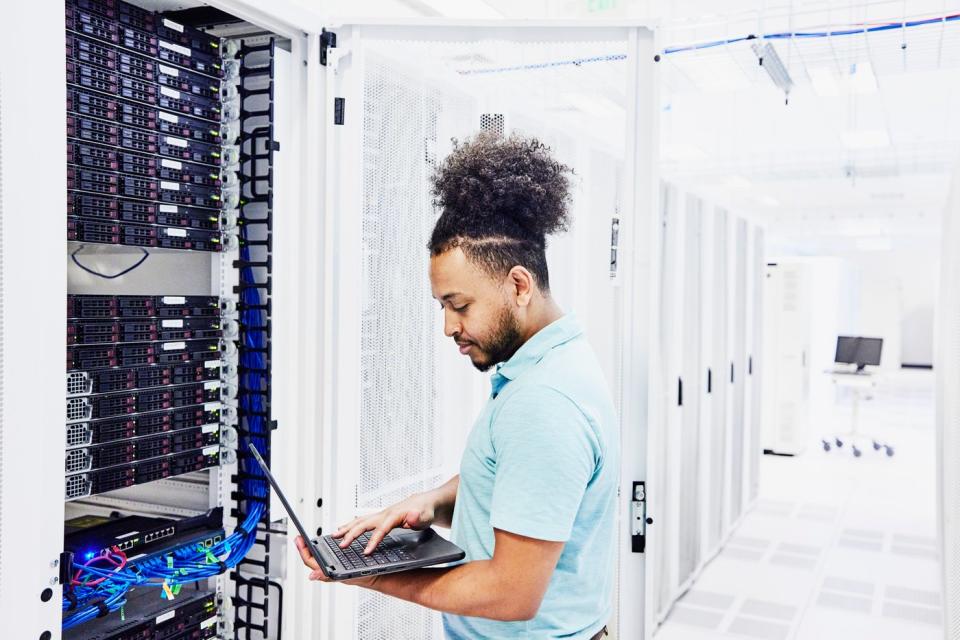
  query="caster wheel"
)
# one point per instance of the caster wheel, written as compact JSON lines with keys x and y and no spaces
{"x":876,"y":445}
{"x":889,"y":451}
{"x":857,"y":453}
{"x":839,"y":442}
{"x":826,"y":446}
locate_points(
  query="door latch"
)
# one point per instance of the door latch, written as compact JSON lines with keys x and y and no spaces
{"x":638,"y":518}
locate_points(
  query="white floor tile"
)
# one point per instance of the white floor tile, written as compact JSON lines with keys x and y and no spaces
{"x":836,"y":546}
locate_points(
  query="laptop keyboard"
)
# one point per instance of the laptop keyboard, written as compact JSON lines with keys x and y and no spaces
{"x":352,"y":557}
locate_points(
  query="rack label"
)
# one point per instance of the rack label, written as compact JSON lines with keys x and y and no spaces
{"x":170,"y":71}
{"x":171,"y":164}
{"x":212,"y":364}
{"x":170,"y":93}
{"x":163,"y":617}
{"x":173,"y":300}
{"x":176,"y":233}
{"x":174,"y":346}
{"x":184,"y":51}
{"x":175,"y":324}
{"x":213,"y":384}
{"x":209,"y":428}
{"x":173,"y":25}
{"x":211,"y":406}
{"x":209,"y":622}
{"x":169,"y":117}
{"x":177,"y":142}
{"x":168,"y":208}
{"x":212,"y":450}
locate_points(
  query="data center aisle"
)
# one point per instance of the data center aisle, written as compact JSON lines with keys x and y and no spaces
{"x":837,"y":547}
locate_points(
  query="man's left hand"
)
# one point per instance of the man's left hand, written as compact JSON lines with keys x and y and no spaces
{"x":320,"y":576}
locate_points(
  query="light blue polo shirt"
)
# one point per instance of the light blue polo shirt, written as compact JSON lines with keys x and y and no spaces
{"x":542,"y":461}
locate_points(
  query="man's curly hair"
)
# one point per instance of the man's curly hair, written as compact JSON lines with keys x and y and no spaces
{"x":499,"y":200}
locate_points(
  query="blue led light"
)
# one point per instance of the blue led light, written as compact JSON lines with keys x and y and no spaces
{"x":88,"y":555}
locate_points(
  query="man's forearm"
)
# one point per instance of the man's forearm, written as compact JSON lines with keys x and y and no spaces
{"x":471,"y":589}
{"x":446,"y":497}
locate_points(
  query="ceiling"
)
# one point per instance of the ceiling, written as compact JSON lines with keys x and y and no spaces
{"x":863,"y":150}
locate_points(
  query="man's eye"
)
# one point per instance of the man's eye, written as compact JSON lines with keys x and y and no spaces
{"x":461,"y":309}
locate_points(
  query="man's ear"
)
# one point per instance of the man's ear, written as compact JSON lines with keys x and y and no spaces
{"x":522,"y":285}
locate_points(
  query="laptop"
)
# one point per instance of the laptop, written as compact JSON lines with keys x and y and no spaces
{"x":400,"y":550}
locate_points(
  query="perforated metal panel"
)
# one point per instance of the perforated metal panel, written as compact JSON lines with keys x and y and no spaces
{"x":416,"y":96}
{"x":399,"y":443}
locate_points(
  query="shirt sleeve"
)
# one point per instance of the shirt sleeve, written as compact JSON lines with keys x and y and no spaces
{"x":547,"y":454}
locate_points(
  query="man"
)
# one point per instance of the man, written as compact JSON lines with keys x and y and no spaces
{"x":534,"y":504}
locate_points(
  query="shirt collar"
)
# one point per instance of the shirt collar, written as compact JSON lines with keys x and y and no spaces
{"x":532,"y":351}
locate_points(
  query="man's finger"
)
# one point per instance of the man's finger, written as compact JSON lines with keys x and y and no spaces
{"x":305,"y":554}
{"x":342,"y":529}
{"x":355,"y":532}
{"x":378,"y":534}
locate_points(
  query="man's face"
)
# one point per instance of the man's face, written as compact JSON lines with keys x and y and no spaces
{"x":478,"y":311}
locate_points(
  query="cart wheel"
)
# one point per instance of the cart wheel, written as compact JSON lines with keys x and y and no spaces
{"x":826,"y":445}
{"x":856,"y":452}
{"x":839,"y":442}
{"x":889,"y":451}
{"x":876,"y":445}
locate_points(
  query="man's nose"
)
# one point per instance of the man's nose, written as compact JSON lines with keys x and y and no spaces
{"x":451,"y":326}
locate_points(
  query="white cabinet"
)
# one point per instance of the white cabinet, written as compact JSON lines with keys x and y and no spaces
{"x":786,"y":345}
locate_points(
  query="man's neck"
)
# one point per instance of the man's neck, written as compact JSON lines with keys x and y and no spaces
{"x":547,"y":313}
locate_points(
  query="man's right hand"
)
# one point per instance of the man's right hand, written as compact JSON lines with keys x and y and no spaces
{"x":416,"y":512}
{"x":419,"y":511}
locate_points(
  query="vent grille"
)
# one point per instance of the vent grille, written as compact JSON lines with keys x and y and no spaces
{"x":78,"y":409}
{"x":76,"y":487}
{"x":76,"y":460}
{"x":79,"y":434}
{"x":492,"y":123}
{"x":78,"y":383}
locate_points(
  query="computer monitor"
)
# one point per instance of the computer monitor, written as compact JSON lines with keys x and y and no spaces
{"x":859,"y":351}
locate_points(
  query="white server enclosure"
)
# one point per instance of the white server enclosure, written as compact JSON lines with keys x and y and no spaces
{"x":225,"y":257}
{"x":403,"y":93}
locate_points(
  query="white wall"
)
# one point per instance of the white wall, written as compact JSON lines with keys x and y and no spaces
{"x":889,"y":294}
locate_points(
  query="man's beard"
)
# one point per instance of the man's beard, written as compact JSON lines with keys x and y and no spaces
{"x":504,"y":342}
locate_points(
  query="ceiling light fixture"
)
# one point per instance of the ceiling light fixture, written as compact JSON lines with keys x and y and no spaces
{"x":771,"y":62}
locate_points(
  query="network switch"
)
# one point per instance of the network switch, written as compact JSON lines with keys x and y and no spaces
{"x":136,"y":40}
{"x":189,"y":104}
{"x":91,"y":24}
{"x":190,"y":150}
{"x":91,"y":535}
{"x":196,"y":40}
{"x":83,"y":383}
{"x":91,"y":104}
{"x":131,"y":354}
{"x":87,"y":332}
{"x":92,"y":156}
{"x":189,"y":82}
{"x":195,"y":60}
{"x":187,"y":127}
{"x":90,"y":51}
{"x":136,"y":66}
{"x":80,"y":434}
{"x":96,"y":482}
{"x":136,"y":235}
{"x":161,"y":306}
{"x":83,"y":459}
{"x":83,"y":408}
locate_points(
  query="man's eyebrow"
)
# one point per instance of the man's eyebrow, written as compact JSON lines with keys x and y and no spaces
{"x":450,"y":295}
